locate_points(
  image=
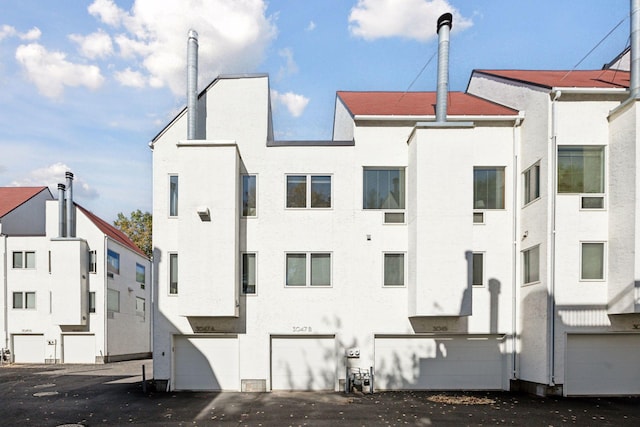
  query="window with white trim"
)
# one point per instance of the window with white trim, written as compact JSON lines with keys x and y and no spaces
{"x":141,"y":308}
{"x":93,"y":261}
{"x":249,"y":196}
{"x":24,"y":300}
{"x":394,"y":269}
{"x":249,"y":273}
{"x":592,"y":260}
{"x":308,"y":269}
{"x":531,"y":265}
{"x":113,"y":300}
{"x":383,"y":188}
{"x":92,"y":302}
{"x":477,"y":268}
{"x":531,"y":178}
{"x":24,"y":259}
{"x":488,"y":188}
{"x":173,"y":274}
{"x":309,"y":191}
{"x":173,"y":195}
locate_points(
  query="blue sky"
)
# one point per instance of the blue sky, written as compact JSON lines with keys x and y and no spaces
{"x":85,"y":85}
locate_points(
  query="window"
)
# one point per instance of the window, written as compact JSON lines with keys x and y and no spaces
{"x":173,"y":195}
{"x":305,"y":269}
{"x":24,"y":260}
{"x":173,"y":274}
{"x":393,"y":270}
{"x":383,"y":188}
{"x":92,"y":302}
{"x":24,"y":300}
{"x":315,"y":195}
{"x":580,"y":169}
{"x":249,"y":195}
{"x":113,"y":300}
{"x":477,"y":277}
{"x":93,"y":261}
{"x":488,"y":188}
{"x":248,"y":273}
{"x":140,"y":307}
{"x":113,"y":262}
{"x":140,"y":273}
{"x":531,"y":265}
{"x":531,"y":184}
{"x":592,"y":260}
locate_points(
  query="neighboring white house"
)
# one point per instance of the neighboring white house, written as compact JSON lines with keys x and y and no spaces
{"x":75,"y":289}
{"x":435,"y":249}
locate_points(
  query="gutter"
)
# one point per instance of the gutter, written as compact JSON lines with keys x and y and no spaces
{"x":6,"y":291}
{"x":591,"y":90}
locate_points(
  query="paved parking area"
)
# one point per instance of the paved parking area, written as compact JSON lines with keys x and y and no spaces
{"x":91,"y":395}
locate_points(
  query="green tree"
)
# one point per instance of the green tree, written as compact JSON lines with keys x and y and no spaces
{"x":138,"y":228}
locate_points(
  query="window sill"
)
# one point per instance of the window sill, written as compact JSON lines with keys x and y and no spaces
{"x":530,"y":284}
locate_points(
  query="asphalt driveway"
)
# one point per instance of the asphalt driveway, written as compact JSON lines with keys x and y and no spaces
{"x":112,"y":394}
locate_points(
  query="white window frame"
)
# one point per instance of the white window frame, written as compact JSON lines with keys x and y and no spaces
{"x":170,"y":205}
{"x":111,"y":293}
{"x":93,"y":262}
{"x":503,"y":169}
{"x":169,"y":271}
{"x":528,"y":251}
{"x":255,"y":263}
{"x":403,"y":170}
{"x":484,"y":264}
{"x":604,"y":260}
{"x":308,"y":265}
{"x":404,"y":271}
{"x":92,"y":302}
{"x":24,"y":301}
{"x":255,"y":177}
{"x":308,"y":193}
{"x":527,"y":184}
{"x":23,"y":260}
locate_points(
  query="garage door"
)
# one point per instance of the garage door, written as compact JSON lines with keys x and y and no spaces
{"x":602,"y":364}
{"x":28,"y":348}
{"x":206,"y":363}
{"x":438,"y":363}
{"x":303,"y":362}
{"x":78,"y":349}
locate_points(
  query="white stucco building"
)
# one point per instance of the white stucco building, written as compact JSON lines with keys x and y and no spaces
{"x":477,"y":240}
{"x":75,"y":289}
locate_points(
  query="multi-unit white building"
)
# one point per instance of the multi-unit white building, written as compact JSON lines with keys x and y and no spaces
{"x":75,"y":289}
{"x":477,"y":240}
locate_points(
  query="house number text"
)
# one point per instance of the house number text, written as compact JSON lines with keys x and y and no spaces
{"x":301,"y":329}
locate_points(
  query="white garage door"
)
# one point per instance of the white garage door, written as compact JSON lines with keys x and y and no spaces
{"x":206,"y":363}
{"x":438,"y":363}
{"x":602,"y":364}
{"x":28,"y":348}
{"x":78,"y":349}
{"x":303,"y":362}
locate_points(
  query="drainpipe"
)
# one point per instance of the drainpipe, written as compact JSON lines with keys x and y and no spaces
{"x":514,"y":255}
{"x":192,"y":84}
{"x":61,"y":218}
{"x":634,"y":83}
{"x":5,"y":283}
{"x":71,"y":232}
{"x":551,"y":304}
{"x":445,"y":23}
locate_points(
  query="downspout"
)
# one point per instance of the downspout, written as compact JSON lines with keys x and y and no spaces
{"x":105,"y":295}
{"x":6,"y":291}
{"x":514,"y":255}
{"x":551,"y":310}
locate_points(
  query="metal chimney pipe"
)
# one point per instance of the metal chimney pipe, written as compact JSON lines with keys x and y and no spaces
{"x":445,"y":23}
{"x":192,"y":84}
{"x":634,"y":84}
{"x":71,"y":232}
{"x":61,"y":217}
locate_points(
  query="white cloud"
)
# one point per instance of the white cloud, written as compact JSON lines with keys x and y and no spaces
{"x":311,"y":26}
{"x":51,"y":72}
{"x":290,"y":66}
{"x":31,"y":35}
{"x":413,"y":19}
{"x":95,"y":45}
{"x":131,"y":78}
{"x":233,"y":36}
{"x":52,"y":175}
{"x":293,"y":102}
{"x":7,"y":31}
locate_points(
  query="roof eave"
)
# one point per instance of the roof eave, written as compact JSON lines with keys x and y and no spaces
{"x":431,"y":118}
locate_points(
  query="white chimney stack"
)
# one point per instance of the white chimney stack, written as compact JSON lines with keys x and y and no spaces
{"x":445,"y":23}
{"x":71,"y":229}
{"x":192,"y":84}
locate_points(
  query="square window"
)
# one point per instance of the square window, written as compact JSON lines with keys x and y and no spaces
{"x":478,"y":217}
{"x":531,"y":265}
{"x":580,"y":169}
{"x":249,"y":206}
{"x":173,"y":274}
{"x":113,"y":300}
{"x":113,"y":262}
{"x":531,"y":184}
{"x":383,"y":188}
{"x":393,"y":270}
{"x":478,"y":269}
{"x":592,"y":260}
{"x":249,"y":273}
{"x":173,"y":195}
{"x":488,"y":188}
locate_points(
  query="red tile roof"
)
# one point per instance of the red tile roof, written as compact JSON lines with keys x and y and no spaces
{"x":12,"y":197}
{"x":418,"y":104}
{"x":576,"y":78}
{"x":111,"y":231}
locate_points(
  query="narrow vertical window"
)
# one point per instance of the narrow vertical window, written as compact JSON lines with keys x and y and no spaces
{"x":393,"y":270}
{"x":477,"y":269}
{"x":249,"y":273}
{"x":592,"y":260}
{"x":92,"y":302}
{"x":531,"y":184}
{"x":249,"y":205}
{"x":173,"y":195}
{"x":173,"y":274}
{"x":49,"y":261}
{"x":113,"y":262}
{"x":93,"y":262}
{"x":140,"y":274}
{"x":531,"y":265}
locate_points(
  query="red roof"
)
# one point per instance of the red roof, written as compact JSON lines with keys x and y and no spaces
{"x":111,"y":231}
{"x":576,"y":78}
{"x":12,"y":197}
{"x":419,"y":104}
